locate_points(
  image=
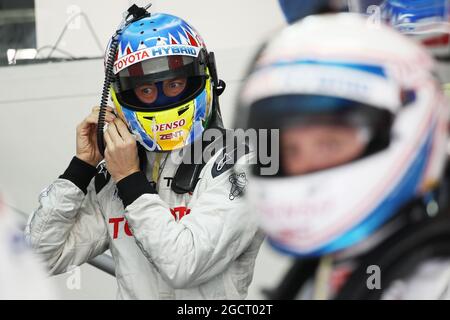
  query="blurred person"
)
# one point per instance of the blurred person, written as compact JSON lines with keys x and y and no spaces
{"x":22,"y":276}
{"x":361,"y":188}
{"x":295,"y":10}
{"x":173,"y":228}
{"x":426,"y":21}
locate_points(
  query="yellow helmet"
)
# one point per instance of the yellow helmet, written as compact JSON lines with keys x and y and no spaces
{"x":162,"y":87}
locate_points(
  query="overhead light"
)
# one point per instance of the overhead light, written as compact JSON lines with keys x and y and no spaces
{"x":26,"y":54}
{"x":11,"y":53}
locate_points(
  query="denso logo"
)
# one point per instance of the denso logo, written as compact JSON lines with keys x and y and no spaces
{"x":120,"y":225}
{"x":168,"y":126}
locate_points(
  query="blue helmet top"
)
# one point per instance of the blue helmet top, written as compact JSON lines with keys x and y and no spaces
{"x":297,"y":9}
{"x":156,"y":30}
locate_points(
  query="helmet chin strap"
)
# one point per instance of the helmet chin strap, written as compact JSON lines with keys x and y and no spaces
{"x":219,"y":85}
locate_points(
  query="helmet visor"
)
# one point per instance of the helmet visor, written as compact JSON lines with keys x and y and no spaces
{"x":159,"y":69}
{"x":318,"y":133}
{"x":160,"y":83}
{"x":319,"y":146}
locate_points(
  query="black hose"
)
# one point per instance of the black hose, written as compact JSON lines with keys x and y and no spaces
{"x":135,"y":13}
{"x":109,"y":78}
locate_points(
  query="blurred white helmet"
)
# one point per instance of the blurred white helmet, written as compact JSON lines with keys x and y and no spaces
{"x":22,"y":276}
{"x":339,"y":70}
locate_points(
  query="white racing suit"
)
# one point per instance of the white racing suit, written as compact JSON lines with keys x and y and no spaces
{"x":430,"y":280}
{"x":199,"y":245}
{"x":21,"y":274}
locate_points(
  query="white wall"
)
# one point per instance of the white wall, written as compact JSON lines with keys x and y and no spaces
{"x":41,"y":104}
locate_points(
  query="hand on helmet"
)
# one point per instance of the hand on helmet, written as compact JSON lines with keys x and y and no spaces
{"x":121,"y":152}
{"x":87,"y":149}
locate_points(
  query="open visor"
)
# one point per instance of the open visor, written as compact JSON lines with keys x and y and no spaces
{"x":318,"y":132}
{"x":160,"y":69}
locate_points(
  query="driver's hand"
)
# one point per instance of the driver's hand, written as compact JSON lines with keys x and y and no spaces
{"x":121,"y":153}
{"x":87,"y":149}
